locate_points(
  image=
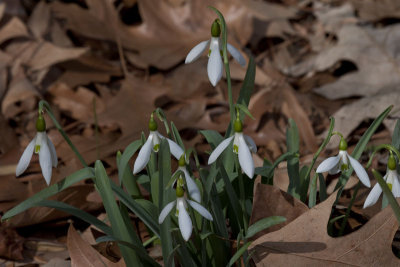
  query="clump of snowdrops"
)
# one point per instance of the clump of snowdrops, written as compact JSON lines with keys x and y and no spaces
{"x":204,"y":220}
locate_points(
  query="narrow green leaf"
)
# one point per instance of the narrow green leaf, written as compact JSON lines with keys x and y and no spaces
{"x":388,"y":193}
{"x":239,"y":253}
{"x":267,"y":171}
{"x":245,"y":110}
{"x":129,"y":151}
{"x":312,"y":199}
{"x":177,"y":136}
{"x":118,"y":225}
{"x":164,"y":196}
{"x":322,"y":188}
{"x":212,"y":137}
{"x":233,"y":199}
{"x":137,"y":209}
{"x":292,"y":142}
{"x":396,"y":136}
{"x":264,"y":224}
{"x":78,"y":176}
{"x":248,"y":83}
{"x":83,"y":215}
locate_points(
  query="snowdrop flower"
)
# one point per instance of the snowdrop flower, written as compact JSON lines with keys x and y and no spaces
{"x":341,"y":162}
{"x":242,"y":145}
{"x":194,"y":191}
{"x":42,"y":145}
{"x":215,"y":64}
{"x":392,"y":180}
{"x":185,"y":223}
{"x":153,"y":143}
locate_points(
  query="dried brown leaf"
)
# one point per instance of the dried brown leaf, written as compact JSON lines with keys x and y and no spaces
{"x":14,"y":28}
{"x":305,"y":242}
{"x":82,"y":254}
{"x":39,"y":20}
{"x":271,"y":201}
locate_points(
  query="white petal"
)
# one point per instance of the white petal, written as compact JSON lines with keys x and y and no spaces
{"x":185,"y":223}
{"x":396,"y":186}
{"x":360,"y":171}
{"x":144,"y":155}
{"x":175,"y":149}
{"x":334,"y":170}
{"x":194,"y":191}
{"x":250,"y":143}
{"x":200,"y":209}
{"x":165,"y":211}
{"x":373,"y":196}
{"x":245,"y":158}
{"x":25,"y":158}
{"x":196,"y":51}
{"x":54,"y":159}
{"x":328,"y":164}
{"x":236,"y":55}
{"x":45,"y":162}
{"x":214,"y":67}
{"x":219,"y":149}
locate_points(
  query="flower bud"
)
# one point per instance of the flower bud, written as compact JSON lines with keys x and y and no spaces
{"x":391,"y":163}
{"x":40,"y":124}
{"x":342,"y":144}
{"x":152,"y":124}
{"x":215,"y":29}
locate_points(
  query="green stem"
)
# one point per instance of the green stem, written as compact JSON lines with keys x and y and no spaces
{"x":43,"y":104}
{"x":353,"y":198}
{"x":380,"y":147}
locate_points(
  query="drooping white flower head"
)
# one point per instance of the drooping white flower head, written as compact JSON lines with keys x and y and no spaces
{"x":185,"y":223}
{"x":391,"y":178}
{"x":194,"y":191}
{"x":153,"y":143}
{"x":42,"y":145}
{"x":341,"y":162}
{"x":243,"y":145}
{"x":215,"y":64}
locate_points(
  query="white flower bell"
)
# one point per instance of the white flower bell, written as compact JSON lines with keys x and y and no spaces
{"x":42,"y":145}
{"x":243,"y":145}
{"x":185,"y":223}
{"x":153,"y":143}
{"x":341,"y":162}
{"x":215,"y":64}
{"x":391,"y":178}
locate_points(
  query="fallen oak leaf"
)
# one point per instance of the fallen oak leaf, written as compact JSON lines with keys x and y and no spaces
{"x":305,"y":241}
{"x":83,"y":254}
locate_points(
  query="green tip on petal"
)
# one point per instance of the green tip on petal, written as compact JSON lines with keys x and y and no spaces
{"x":37,"y":149}
{"x":182,"y":161}
{"x":179,"y":187}
{"x":238,"y":126}
{"x":390,"y":186}
{"x":40,"y":124}
{"x":344,"y":167}
{"x":152,"y":124}
{"x":342,"y":144}
{"x":391,"y":163}
{"x":215,"y":29}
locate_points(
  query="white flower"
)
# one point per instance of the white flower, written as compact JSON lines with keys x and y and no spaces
{"x":242,"y":145}
{"x":194,"y":191}
{"x":153,"y":143}
{"x":42,"y":145}
{"x":392,"y":179}
{"x":185,"y":223}
{"x":215,"y":64}
{"x":341,"y":162}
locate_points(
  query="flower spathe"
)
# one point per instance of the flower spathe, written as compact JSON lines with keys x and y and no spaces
{"x":243,"y":145}
{"x":215,"y":64}
{"x":153,"y":143}
{"x":42,"y":145}
{"x":341,"y":162}
{"x":184,"y":221}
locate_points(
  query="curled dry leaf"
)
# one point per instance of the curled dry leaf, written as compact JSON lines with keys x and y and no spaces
{"x":271,"y":201}
{"x":83,"y":254}
{"x":305,"y":242}
{"x":14,"y":28}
